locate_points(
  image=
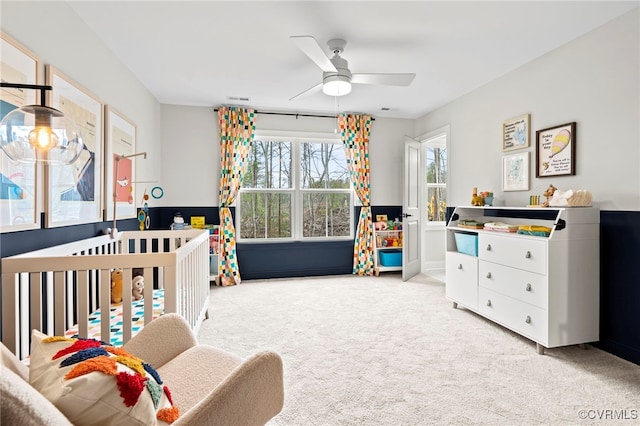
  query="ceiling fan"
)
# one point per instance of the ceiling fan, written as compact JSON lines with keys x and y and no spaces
{"x":336,"y":76}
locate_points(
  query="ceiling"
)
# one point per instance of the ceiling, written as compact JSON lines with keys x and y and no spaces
{"x":211,"y":53}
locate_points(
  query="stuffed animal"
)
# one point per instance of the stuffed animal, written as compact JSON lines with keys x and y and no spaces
{"x":548,"y":195}
{"x":116,"y":286}
{"x":381,"y":225}
{"x":476,"y":200}
{"x":137,"y":287}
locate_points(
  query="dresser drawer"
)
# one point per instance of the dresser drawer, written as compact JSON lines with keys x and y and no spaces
{"x":526,"y":286}
{"x":522,"y":253}
{"x":528,"y":320}
{"x":461,"y":283}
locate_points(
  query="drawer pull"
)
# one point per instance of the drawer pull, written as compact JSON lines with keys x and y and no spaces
{"x":528,"y":255}
{"x":528,"y":288}
{"x":460,"y":266}
{"x":488,"y":274}
{"x":488,"y":247}
{"x":489,"y":302}
{"x":528,"y":320}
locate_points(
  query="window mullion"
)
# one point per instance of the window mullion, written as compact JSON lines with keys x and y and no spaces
{"x":296,"y":202}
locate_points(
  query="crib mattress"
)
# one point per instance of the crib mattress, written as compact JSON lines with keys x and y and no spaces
{"x":137,"y":319}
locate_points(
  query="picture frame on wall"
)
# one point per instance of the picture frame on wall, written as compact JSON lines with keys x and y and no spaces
{"x":515,"y":133}
{"x":515,"y":172}
{"x":74,"y":192}
{"x":19,"y":182}
{"x":120,"y":139}
{"x":556,"y":150}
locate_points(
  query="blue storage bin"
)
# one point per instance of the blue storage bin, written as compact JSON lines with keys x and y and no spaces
{"x":467,"y":243}
{"x":391,"y":258}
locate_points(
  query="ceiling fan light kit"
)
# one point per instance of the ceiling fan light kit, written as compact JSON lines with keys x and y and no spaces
{"x":336,"y":85}
{"x":336,"y":76}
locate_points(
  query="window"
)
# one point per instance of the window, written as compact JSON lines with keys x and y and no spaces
{"x":295,"y":187}
{"x":436,"y":170}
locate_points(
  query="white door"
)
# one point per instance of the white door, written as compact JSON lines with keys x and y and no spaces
{"x":411,"y":210}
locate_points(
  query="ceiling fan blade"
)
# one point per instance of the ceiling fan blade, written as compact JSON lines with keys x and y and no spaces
{"x":311,"y":91}
{"x":312,"y":49}
{"x":383,"y":79}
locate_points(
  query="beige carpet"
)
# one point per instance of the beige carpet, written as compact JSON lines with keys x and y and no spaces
{"x":379,"y":351}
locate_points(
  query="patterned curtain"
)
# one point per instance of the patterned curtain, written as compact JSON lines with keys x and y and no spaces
{"x":237,"y":126}
{"x":354,"y":132}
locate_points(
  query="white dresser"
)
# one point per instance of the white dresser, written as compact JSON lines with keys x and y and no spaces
{"x":545,"y":288}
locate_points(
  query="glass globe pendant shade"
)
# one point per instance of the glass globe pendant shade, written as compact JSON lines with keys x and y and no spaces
{"x":40,"y":133}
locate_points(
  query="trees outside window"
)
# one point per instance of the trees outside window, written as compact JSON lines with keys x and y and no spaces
{"x":436,"y":165}
{"x":295,"y":188}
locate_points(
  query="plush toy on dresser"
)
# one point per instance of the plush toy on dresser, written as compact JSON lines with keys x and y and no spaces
{"x":116,"y":286}
{"x":476,"y":200}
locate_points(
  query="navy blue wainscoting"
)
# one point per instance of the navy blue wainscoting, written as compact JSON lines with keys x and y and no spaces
{"x":620,"y":284}
{"x":294,"y":259}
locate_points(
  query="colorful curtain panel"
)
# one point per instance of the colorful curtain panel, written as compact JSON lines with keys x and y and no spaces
{"x":237,"y":126}
{"x":354,"y":132}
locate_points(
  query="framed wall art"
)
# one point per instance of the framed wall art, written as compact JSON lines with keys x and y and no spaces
{"x":74,"y":192}
{"x":515,"y":133}
{"x":515,"y":172}
{"x":19,"y":182}
{"x":556,"y":150}
{"x":120,"y":140}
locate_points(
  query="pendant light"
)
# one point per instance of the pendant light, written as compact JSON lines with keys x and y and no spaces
{"x":39,"y":133}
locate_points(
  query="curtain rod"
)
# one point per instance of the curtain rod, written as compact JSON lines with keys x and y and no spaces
{"x":295,"y":114}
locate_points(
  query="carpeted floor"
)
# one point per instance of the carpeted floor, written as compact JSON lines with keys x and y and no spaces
{"x":379,"y":351}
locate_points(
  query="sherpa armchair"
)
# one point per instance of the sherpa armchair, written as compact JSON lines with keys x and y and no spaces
{"x":207,"y":385}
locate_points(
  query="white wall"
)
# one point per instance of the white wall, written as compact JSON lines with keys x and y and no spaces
{"x":191,"y":156}
{"x":78,"y":53}
{"x":594,"y":81}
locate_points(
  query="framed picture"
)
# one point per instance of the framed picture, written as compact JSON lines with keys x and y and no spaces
{"x":74,"y":192}
{"x":515,"y":172}
{"x":19,"y":182}
{"x":515,"y":133}
{"x":381,"y":217}
{"x":120,"y":140}
{"x":556,"y":150}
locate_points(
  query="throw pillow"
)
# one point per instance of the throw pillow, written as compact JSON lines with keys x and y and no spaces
{"x":93,"y":383}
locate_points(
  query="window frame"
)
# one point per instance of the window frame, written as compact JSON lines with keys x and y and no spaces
{"x":438,"y":138}
{"x":296,"y":139}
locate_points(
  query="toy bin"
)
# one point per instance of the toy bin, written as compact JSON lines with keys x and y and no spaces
{"x":467,"y":243}
{"x":391,"y":258}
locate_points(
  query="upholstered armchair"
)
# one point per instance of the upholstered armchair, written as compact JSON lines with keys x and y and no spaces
{"x":208,"y":386}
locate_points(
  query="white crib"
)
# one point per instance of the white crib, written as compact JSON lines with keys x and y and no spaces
{"x":57,"y":288}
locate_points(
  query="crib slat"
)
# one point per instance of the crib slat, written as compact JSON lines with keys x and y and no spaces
{"x":148,"y":295}
{"x":59,"y":314}
{"x":23,"y":313}
{"x":105,"y":303}
{"x":10,"y":305}
{"x":49,"y":303}
{"x":83,"y":303}
{"x":126,"y":305}
{"x":35,"y":281}
{"x":170,"y":293}
{"x":69,"y":298}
